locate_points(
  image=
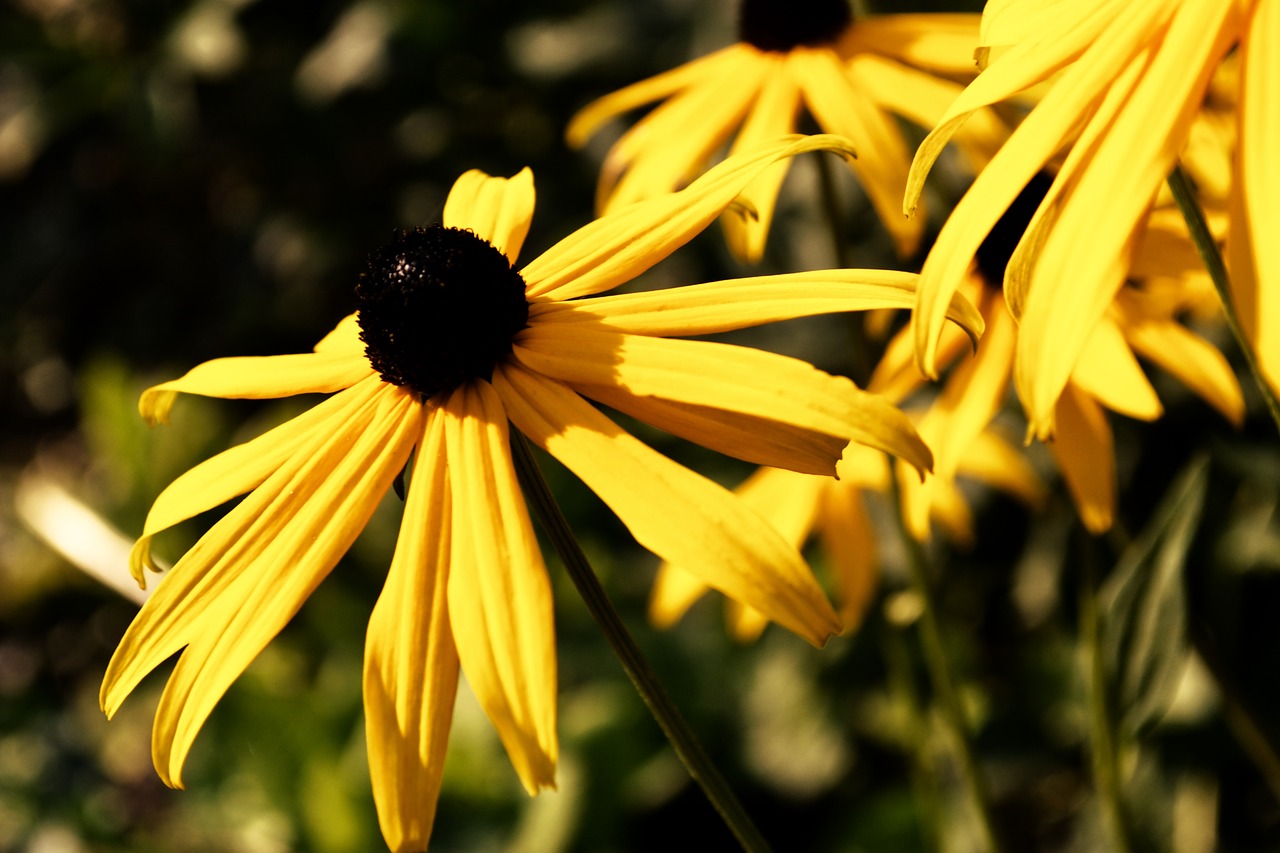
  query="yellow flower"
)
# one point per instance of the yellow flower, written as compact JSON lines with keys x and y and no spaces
{"x":802,"y":506}
{"x":449,"y":343}
{"x":854,"y":77}
{"x":1106,"y":375}
{"x":1124,"y":85}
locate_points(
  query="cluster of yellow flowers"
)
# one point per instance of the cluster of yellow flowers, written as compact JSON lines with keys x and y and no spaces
{"x":1063,"y":262}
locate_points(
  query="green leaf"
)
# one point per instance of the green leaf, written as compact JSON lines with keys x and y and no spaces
{"x":1143,"y":605}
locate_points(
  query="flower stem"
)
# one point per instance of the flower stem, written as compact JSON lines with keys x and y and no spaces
{"x":1185,"y":196}
{"x":1103,"y":753}
{"x":633,"y":660}
{"x":939,"y":666}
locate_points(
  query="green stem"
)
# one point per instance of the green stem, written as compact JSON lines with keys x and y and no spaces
{"x":1103,"y":755}
{"x":939,"y":666}
{"x":1185,"y":196}
{"x":902,"y":687}
{"x":633,"y":661}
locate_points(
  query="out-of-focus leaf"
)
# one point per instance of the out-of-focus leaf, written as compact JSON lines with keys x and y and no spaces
{"x":1143,"y":604}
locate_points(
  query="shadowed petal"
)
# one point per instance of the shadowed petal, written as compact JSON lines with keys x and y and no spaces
{"x":1083,"y":447}
{"x":499,"y":593}
{"x":410,"y":662}
{"x":675,"y":513}
{"x":1109,"y":372}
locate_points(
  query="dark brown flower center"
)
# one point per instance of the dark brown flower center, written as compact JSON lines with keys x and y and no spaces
{"x":994,"y":253}
{"x":438,"y":307}
{"x":779,"y":26}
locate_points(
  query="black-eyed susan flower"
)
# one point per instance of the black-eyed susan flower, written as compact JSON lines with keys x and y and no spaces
{"x":855,"y":77}
{"x":834,"y":512}
{"x":1124,"y":86}
{"x":1106,"y":376}
{"x":449,"y":345}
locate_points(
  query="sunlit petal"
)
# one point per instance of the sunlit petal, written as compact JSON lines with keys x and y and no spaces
{"x":1109,"y":372}
{"x":498,"y":210}
{"x":1083,"y":447}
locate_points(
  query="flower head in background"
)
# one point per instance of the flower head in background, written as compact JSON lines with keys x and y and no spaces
{"x":855,"y":77}
{"x":449,"y":345}
{"x":801,"y":507}
{"x":1107,"y":375}
{"x":1124,"y":89}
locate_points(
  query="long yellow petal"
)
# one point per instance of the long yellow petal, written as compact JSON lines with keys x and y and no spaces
{"x":849,"y":537}
{"x":724,"y":306}
{"x":257,"y":378}
{"x":675,"y":513}
{"x":232,"y":592}
{"x":499,"y":592}
{"x":244,"y":467}
{"x":773,"y":114}
{"x":992,"y":460}
{"x":588,"y":120}
{"x":832,"y":92}
{"x":1084,"y":259}
{"x":938,"y":42}
{"x":345,"y":338}
{"x":1083,"y":447}
{"x":737,"y":379}
{"x":410,"y":661}
{"x":1258,"y":182}
{"x":498,"y":210}
{"x":618,"y":247}
{"x":674,"y":591}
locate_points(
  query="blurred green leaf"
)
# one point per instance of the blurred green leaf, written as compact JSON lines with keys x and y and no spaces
{"x":1143,"y":604}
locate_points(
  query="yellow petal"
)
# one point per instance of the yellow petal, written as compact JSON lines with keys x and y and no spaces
{"x":772,"y":114}
{"x":1258,"y":183}
{"x":833,"y":94}
{"x":722,"y":376}
{"x":498,"y":210}
{"x":675,"y":513}
{"x":588,"y":120}
{"x":850,"y":542}
{"x":939,"y":42}
{"x":724,"y":306}
{"x":992,"y":460}
{"x":499,"y":592}
{"x":1082,"y":445}
{"x":244,"y":467}
{"x":674,"y":592}
{"x":618,"y":247}
{"x":669,"y":146}
{"x":239,"y":585}
{"x":410,"y":661}
{"x":257,"y":378}
{"x":1197,"y":363}
{"x":345,"y":338}
{"x":1084,"y":261}
{"x":1109,"y":372}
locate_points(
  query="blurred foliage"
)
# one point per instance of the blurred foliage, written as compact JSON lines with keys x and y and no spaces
{"x":184,"y":181}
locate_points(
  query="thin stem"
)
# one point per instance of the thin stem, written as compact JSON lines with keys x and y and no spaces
{"x":1185,"y":196}
{"x":633,"y":660}
{"x":902,"y":687}
{"x":939,"y":666}
{"x":1103,"y":755}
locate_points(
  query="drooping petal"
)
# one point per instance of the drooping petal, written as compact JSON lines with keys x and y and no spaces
{"x":772,"y":114}
{"x":737,"y":379}
{"x":620,"y":246}
{"x":245,"y":578}
{"x":992,"y":460}
{"x":1109,"y":372}
{"x":675,"y":513}
{"x":831,"y":91}
{"x":674,"y":592}
{"x":1083,"y":261}
{"x":1083,"y":447}
{"x":724,"y":306}
{"x":589,"y":119}
{"x":499,"y":592}
{"x":498,"y":210}
{"x":244,"y":467}
{"x":849,"y":537}
{"x":410,"y":661}
{"x":258,"y":378}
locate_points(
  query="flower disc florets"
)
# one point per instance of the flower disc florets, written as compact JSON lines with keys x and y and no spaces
{"x":438,"y":307}
{"x":780,"y":26}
